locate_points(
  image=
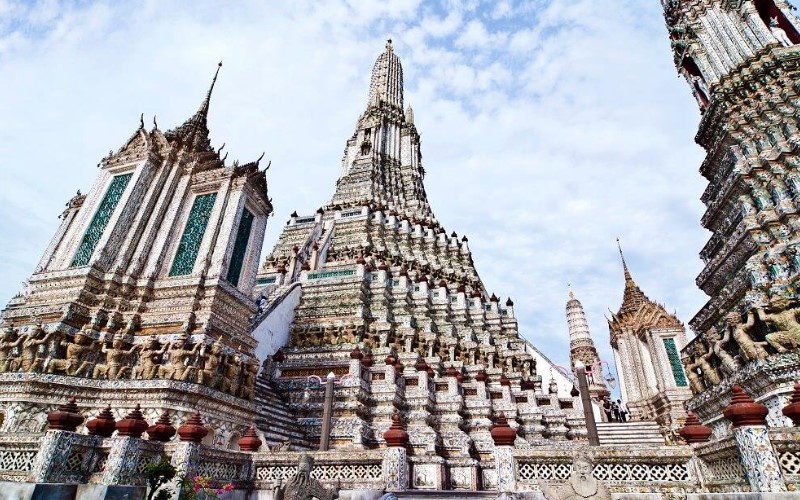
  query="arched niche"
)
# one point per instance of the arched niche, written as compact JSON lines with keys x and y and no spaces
{"x":233,"y":442}
{"x":695,"y":78}
{"x":210,"y":437}
{"x":768,"y":11}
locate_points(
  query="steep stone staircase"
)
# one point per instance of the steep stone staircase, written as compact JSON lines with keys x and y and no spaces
{"x":637,"y":432}
{"x":275,"y":419}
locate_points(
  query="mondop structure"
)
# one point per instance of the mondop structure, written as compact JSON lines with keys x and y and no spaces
{"x":367,"y":334}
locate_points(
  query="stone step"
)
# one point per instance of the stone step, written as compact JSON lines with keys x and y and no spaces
{"x":627,"y":433}
{"x":635,"y":423}
{"x":275,"y":420}
{"x":640,"y":433}
{"x":446,"y":494}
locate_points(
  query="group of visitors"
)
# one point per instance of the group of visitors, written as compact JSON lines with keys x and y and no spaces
{"x":616,"y":411}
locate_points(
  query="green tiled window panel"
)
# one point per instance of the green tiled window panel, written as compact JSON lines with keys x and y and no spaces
{"x":193,"y":233}
{"x":100,"y":220}
{"x":675,"y":362}
{"x":331,"y":274}
{"x":240,"y":247}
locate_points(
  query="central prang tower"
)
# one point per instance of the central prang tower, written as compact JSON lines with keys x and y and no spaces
{"x":741,"y":59}
{"x":373,"y":289}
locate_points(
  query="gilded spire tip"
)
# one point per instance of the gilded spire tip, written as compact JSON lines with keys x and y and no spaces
{"x":627,"y":273}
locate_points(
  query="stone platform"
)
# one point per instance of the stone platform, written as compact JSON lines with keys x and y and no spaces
{"x":26,"y":398}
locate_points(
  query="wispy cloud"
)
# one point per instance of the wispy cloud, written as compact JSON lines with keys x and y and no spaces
{"x":549,"y":128}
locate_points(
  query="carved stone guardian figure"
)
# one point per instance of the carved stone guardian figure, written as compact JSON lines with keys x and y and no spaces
{"x":30,"y":360}
{"x":233,"y":371}
{"x":178,"y":367}
{"x":581,"y":484}
{"x":748,"y":348}
{"x":209,"y":374}
{"x":77,"y":360}
{"x":113,"y":368}
{"x":302,"y":486}
{"x":778,"y":32}
{"x":149,"y":360}
{"x":250,"y":370}
{"x":701,"y":360}
{"x":728,"y":363}
{"x":7,"y":344}
{"x":783,"y":318}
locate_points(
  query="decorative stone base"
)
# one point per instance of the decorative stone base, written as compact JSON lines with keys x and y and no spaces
{"x":26,"y":398}
{"x":769,"y":382}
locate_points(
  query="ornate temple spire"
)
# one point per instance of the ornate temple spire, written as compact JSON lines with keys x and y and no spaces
{"x":632,"y":297}
{"x":386,"y":84}
{"x":193,"y":133}
{"x":576,"y":319}
{"x":581,"y":347}
{"x":409,"y":115}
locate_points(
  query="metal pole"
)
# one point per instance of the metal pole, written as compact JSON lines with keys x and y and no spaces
{"x":586,"y":400}
{"x":327,"y":414}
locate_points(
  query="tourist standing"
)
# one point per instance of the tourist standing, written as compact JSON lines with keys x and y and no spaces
{"x":623,"y":410}
{"x":615,"y":411}
{"x":607,"y":409}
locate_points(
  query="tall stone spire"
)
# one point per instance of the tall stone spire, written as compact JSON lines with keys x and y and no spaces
{"x":632,"y":297}
{"x":576,"y":319}
{"x":374,"y":272}
{"x":386,"y":84}
{"x":382,"y":163}
{"x":581,"y":347}
{"x":193,"y":133}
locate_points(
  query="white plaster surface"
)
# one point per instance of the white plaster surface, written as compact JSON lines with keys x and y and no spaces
{"x":547,"y":369}
{"x":273,"y":331}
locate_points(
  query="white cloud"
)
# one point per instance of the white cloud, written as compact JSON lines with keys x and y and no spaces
{"x":546,"y":134}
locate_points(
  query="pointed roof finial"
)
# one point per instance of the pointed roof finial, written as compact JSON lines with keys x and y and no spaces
{"x":386,"y":83}
{"x":193,"y":133}
{"x":632,"y":297}
{"x":569,"y":289}
{"x":204,"y":107}
{"x":628,"y":278}
{"x":141,"y":120}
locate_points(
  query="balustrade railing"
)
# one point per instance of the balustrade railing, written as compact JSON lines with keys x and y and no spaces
{"x":722,"y":469}
{"x":622,"y":469}
{"x":786,"y":442}
{"x":352,"y":470}
{"x":17,"y":452}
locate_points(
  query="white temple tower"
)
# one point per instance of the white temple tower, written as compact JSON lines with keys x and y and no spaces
{"x":581,"y":348}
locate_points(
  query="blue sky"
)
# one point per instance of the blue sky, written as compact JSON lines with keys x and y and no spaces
{"x":549,"y":128}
